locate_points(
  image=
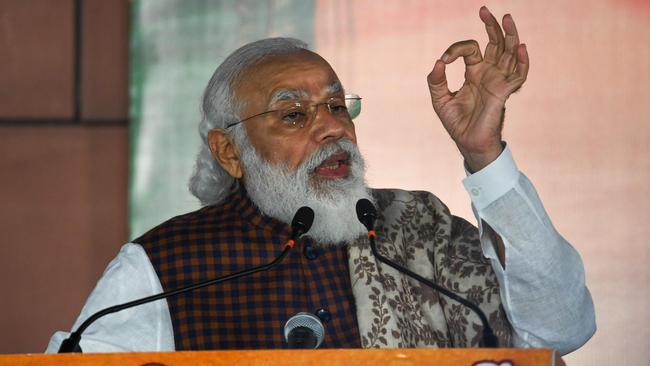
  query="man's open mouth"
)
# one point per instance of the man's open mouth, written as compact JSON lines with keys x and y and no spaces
{"x":335,"y":167}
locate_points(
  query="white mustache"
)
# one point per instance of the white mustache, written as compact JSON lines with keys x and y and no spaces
{"x":325,"y":152}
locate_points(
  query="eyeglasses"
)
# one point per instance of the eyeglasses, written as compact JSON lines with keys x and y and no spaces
{"x":297,"y":114}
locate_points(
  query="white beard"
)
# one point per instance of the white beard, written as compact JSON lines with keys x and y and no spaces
{"x":279,"y":192}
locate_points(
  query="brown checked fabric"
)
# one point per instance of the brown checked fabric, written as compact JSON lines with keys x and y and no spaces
{"x":250,"y":312}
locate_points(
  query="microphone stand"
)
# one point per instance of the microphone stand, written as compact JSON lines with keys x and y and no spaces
{"x":301,"y":223}
{"x":71,"y":344}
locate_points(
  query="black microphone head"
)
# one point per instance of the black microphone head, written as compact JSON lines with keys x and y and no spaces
{"x":302,"y":221}
{"x":366,"y":213}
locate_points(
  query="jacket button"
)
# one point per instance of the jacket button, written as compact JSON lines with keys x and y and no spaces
{"x":323,"y":315}
{"x":310,"y":252}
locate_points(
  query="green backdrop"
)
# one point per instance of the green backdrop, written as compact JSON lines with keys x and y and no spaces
{"x":175,"y":47}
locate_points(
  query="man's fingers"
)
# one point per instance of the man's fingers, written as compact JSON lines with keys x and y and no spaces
{"x":508,"y":59}
{"x":469,"y":50}
{"x":437,"y":81}
{"x":495,"y":47}
{"x":520,"y":74}
{"x":512,"y":36}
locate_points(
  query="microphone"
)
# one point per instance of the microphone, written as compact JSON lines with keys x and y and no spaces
{"x":301,"y":223}
{"x":304,"y":331}
{"x":367,"y":214}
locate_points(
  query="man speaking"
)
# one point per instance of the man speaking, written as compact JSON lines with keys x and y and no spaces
{"x":278,"y":135}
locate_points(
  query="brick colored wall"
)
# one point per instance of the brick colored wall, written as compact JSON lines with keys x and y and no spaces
{"x":63,"y":158}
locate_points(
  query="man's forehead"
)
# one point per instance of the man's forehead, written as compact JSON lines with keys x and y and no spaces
{"x":282,"y":94}
{"x":290,"y":76}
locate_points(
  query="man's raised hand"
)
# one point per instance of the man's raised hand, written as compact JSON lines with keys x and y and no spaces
{"x":473,"y":115}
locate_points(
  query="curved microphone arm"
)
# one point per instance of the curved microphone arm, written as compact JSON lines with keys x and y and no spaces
{"x":300,"y":224}
{"x":71,"y":344}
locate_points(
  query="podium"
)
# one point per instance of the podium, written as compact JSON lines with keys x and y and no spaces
{"x":335,"y":357}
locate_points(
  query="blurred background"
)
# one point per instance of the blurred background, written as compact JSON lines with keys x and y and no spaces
{"x":99,"y":107}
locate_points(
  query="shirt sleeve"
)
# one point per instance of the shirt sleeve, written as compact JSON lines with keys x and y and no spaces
{"x":143,"y":328}
{"x":543,"y":283}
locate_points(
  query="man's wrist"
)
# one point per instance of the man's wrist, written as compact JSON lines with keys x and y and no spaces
{"x":493,"y":181}
{"x":476,"y":161}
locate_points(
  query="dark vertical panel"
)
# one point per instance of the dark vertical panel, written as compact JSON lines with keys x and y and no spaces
{"x":104,"y":55}
{"x":62,"y":218}
{"x":63,"y":188}
{"x":36,"y":59}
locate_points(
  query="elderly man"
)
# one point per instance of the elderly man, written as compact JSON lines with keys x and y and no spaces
{"x":279,"y":135}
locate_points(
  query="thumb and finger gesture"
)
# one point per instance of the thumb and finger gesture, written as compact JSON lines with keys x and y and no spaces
{"x":473,"y":115}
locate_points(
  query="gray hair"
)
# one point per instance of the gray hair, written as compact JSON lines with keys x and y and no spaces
{"x":210,"y":183}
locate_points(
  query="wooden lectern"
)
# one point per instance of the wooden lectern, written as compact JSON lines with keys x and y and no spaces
{"x":341,"y":357}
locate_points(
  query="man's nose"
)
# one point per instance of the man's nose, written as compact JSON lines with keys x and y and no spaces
{"x":327,"y":126}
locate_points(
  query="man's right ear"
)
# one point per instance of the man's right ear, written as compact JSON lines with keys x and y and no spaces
{"x":225,"y":152}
